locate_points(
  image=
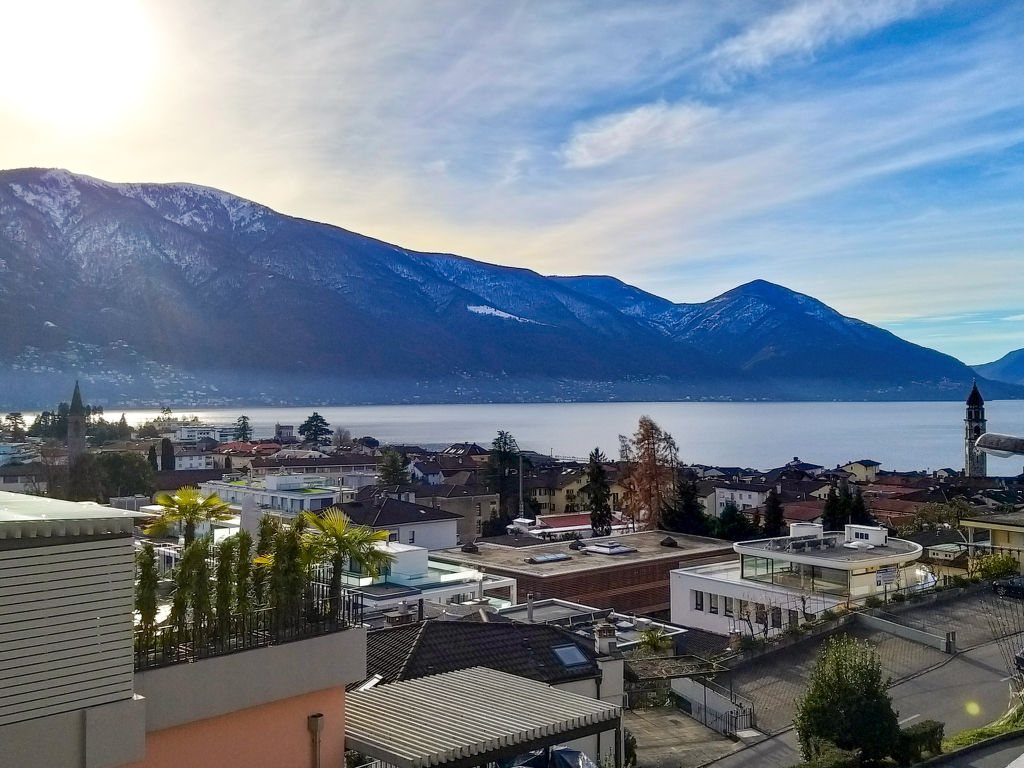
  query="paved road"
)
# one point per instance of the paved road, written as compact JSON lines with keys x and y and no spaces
{"x":969,"y":690}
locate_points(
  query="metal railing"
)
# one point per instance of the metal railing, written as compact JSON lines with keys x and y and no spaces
{"x":210,"y":636}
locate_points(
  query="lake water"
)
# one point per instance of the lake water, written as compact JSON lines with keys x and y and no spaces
{"x":925,"y":435}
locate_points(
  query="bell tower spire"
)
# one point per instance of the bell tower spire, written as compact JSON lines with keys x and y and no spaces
{"x":76,"y":427}
{"x":975,"y":464}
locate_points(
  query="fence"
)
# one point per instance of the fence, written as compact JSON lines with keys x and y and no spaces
{"x":203,"y":638}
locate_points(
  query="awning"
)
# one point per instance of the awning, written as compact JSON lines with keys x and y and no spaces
{"x":468,"y":717}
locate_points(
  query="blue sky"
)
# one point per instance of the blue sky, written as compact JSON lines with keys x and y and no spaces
{"x":868,"y":153}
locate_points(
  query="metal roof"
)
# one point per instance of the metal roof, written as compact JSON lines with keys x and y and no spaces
{"x":450,"y":717}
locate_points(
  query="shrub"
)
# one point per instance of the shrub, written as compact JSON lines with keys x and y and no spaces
{"x":919,"y":740}
{"x":750,"y":643}
{"x":828,"y":614}
{"x":872,"y":601}
{"x":899,"y":597}
{"x":828,"y":755}
{"x":996,"y":565}
{"x":960,"y":581}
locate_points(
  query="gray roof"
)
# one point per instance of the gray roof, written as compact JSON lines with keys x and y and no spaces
{"x":390,"y":511}
{"x":469,"y":713}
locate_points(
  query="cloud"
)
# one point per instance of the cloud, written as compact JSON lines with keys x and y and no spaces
{"x":650,"y":126}
{"x":802,"y":29}
{"x":1014,"y":318}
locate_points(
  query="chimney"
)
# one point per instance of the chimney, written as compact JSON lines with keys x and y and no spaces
{"x":604,"y":639}
{"x":529,"y":607}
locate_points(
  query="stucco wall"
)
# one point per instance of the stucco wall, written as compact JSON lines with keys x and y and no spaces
{"x":273,"y":735}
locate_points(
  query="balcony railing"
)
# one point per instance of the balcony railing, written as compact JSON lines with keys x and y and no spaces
{"x":200,"y":639}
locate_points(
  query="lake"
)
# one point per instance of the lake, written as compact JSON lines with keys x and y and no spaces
{"x":925,"y":435}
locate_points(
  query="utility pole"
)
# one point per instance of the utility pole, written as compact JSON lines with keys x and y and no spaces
{"x":522,"y":512}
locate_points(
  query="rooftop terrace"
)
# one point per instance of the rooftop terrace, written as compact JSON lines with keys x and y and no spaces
{"x":831,"y":547}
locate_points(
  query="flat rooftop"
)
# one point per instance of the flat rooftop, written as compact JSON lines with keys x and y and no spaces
{"x":831,"y":549}
{"x":1005,"y":518}
{"x":23,"y":508}
{"x":561,"y":558}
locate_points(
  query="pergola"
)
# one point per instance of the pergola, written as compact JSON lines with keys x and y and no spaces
{"x":471,"y":717}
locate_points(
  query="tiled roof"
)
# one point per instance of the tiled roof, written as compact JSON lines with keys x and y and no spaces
{"x":433,"y":647}
{"x":388,"y":511}
{"x":345,"y":460}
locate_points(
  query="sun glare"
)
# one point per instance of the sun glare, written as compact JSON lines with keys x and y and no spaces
{"x":73,"y":64}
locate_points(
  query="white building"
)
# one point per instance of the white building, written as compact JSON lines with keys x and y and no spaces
{"x":189,"y":458}
{"x":192,"y":432}
{"x":406,"y":521}
{"x":743,"y":495}
{"x":780,"y":582}
{"x":284,"y":495}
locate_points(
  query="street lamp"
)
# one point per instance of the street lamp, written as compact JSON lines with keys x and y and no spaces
{"x":1000,"y":445}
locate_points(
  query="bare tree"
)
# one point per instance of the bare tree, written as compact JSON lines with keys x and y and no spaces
{"x":651,"y":461}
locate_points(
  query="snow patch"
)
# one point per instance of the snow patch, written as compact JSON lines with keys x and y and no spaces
{"x":483,"y":309}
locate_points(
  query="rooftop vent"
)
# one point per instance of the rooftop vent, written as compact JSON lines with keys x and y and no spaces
{"x":668,"y":541}
{"x":609,"y":548}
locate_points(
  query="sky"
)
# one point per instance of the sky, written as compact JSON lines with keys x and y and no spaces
{"x":869,"y":153}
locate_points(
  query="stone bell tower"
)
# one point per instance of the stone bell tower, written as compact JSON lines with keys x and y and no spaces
{"x":76,"y":427}
{"x":974,"y":427}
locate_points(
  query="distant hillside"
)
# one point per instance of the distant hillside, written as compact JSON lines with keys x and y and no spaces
{"x":175,"y":293}
{"x":1009,"y":368}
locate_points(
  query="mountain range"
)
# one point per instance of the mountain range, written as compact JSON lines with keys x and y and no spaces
{"x":186,"y":295}
{"x":1009,"y":368}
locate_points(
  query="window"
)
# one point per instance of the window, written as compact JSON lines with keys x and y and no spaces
{"x":712,"y":603}
{"x":776,"y":617}
{"x":412,"y":536}
{"x":479,"y":527}
{"x":698,"y":600}
{"x":478,"y":509}
{"x":728,"y":606}
{"x":570,"y":655}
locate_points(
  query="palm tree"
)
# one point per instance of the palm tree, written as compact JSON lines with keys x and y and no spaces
{"x":344,"y":543}
{"x":188,"y":505}
{"x":654,"y":641}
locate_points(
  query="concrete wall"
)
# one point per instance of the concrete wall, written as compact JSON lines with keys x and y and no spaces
{"x":184,"y":693}
{"x":438,"y":534}
{"x":97,"y":737}
{"x":907,"y":633}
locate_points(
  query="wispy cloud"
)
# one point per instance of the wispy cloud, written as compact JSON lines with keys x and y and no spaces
{"x":802,"y":29}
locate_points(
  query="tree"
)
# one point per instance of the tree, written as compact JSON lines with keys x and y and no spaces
{"x":145,"y":592}
{"x":773,"y":521}
{"x":859,"y":514}
{"x":243,"y":573}
{"x":651,"y":459}
{"x":343,"y":543}
{"x":85,"y":480}
{"x":265,"y":536}
{"x":166,"y":455}
{"x":15,"y":427}
{"x":597,"y":492}
{"x":315,"y":429}
{"x":734,"y":525}
{"x":151,"y":458}
{"x":392,"y":469}
{"x":846,"y":702}
{"x":341,"y":436}
{"x":224,"y":600}
{"x":243,"y":431}
{"x":935,"y":515}
{"x":125,"y":474}
{"x":683,"y":513}
{"x":995,"y":565}
{"x":503,"y":475}
{"x":834,"y":515}
{"x":654,"y":641}
{"x":188,"y":506}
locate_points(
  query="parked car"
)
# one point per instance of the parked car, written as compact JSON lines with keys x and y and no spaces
{"x":1013,"y":586}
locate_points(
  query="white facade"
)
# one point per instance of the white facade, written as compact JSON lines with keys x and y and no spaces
{"x":742,"y":497}
{"x":780,"y":583}
{"x":430,"y":534}
{"x":193,"y":432}
{"x":287,"y":495}
{"x":195,"y":460}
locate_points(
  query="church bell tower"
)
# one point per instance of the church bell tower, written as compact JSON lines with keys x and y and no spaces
{"x":974,"y":427}
{"x":76,"y":427}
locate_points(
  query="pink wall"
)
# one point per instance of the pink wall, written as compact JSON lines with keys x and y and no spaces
{"x":273,"y":735}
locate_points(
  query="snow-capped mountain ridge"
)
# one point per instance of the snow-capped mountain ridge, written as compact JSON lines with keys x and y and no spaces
{"x":133,"y":278}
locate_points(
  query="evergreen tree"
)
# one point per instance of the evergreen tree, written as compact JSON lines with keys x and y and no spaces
{"x":243,"y":573}
{"x":125,"y":474}
{"x":734,"y":525}
{"x":265,"y":534}
{"x":85,"y":480}
{"x":166,"y":455}
{"x":597,"y":492}
{"x":151,"y":458}
{"x":201,"y":602}
{"x":392,"y":469}
{"x":859,"y":513}
{"x":145,"y":591}
{"x":847,"y":703}
{"x":243,"y":431}
{"x":503,"y":477}
{"x":833,"y":516}
{"x":315,"y":429}
{"x":684,"y":513}
{"x":15,"y":427}
{"x":224,"y":600}
{"x":773,"y":520}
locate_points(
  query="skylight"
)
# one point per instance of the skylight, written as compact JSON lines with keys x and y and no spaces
{"x":570,"y":655}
